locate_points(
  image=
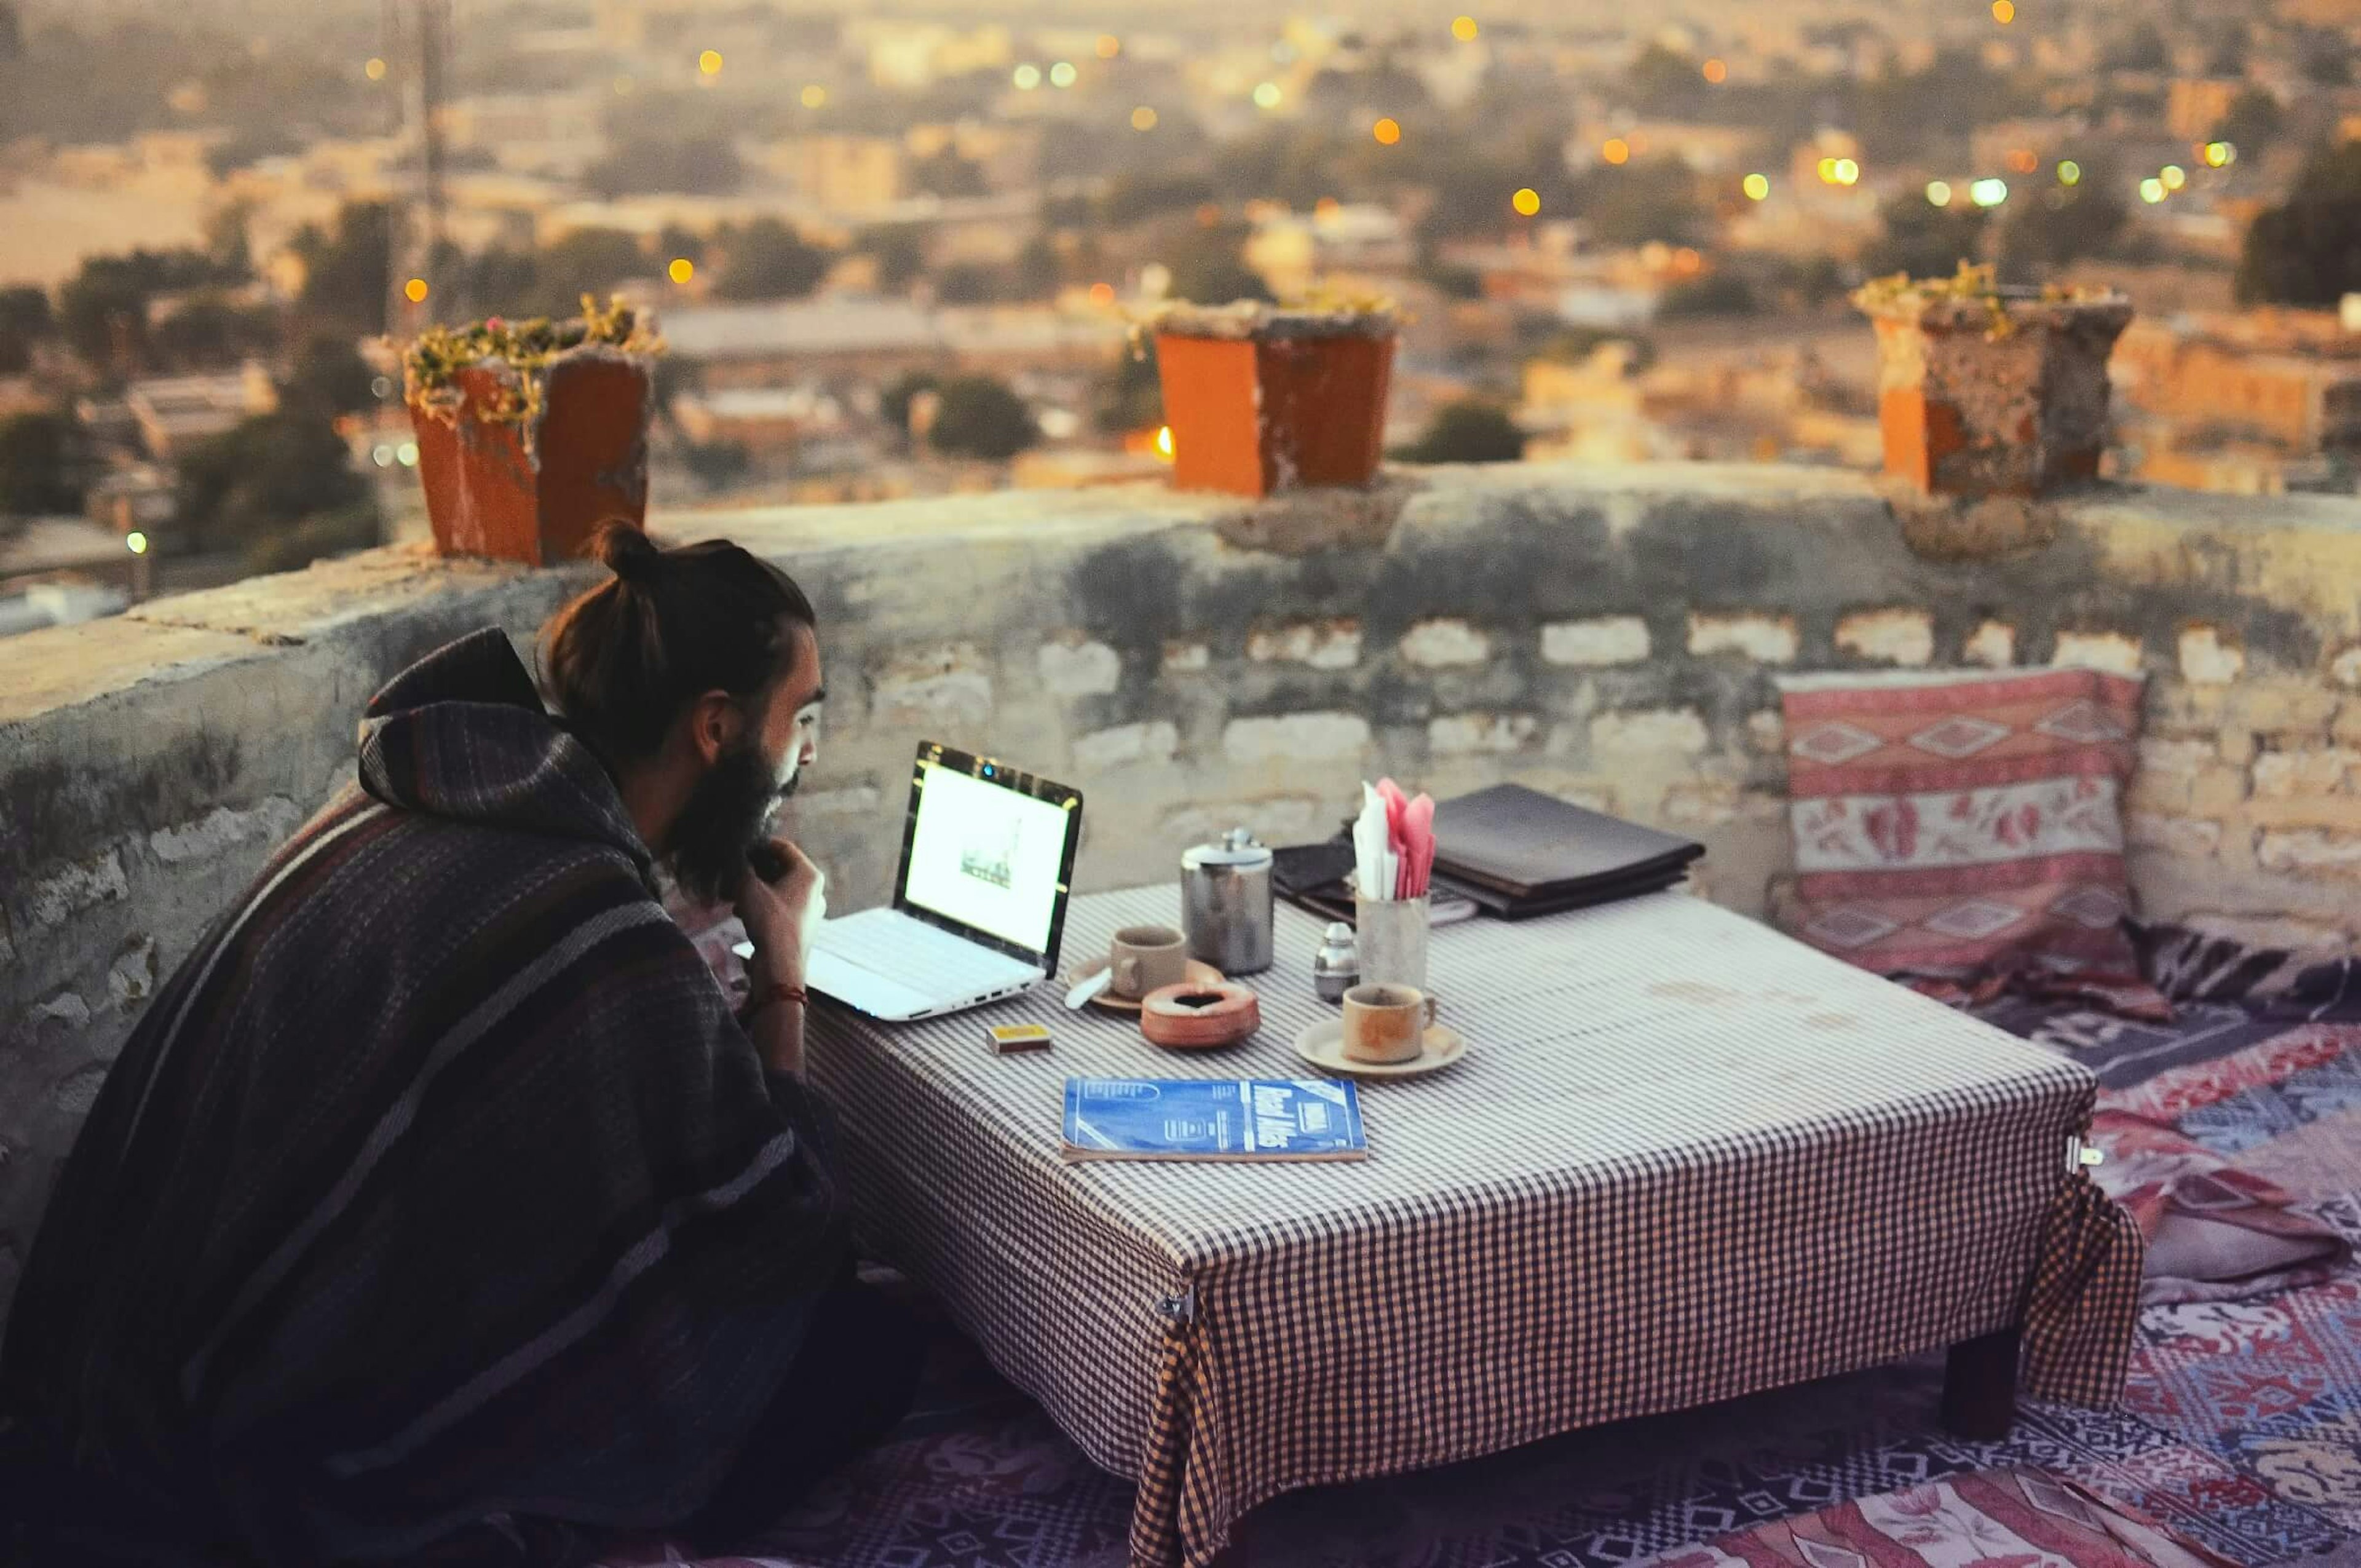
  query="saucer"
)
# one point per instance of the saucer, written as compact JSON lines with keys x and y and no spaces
{"x":1199,"y":974}
{"x":1323,"y":1045}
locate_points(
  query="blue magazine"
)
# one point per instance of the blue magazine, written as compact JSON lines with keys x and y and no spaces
{"x":1213,"y":1118}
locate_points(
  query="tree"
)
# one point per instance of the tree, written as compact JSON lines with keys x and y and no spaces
{"x":1040,"y":270}
{"x":1468,"y":431}
{"x":263,"y":477}
{"x":945,"y":173}
{"x":1925,"y":240}
{"x":970,"y":283}
{"x":2142,"y":49}
{"x":1207,"y":268}
{"x":1640,"y":201}
{"x":329,"y":376}
{"x":1716,"y":294}
{"x":2308,"y":250}
{"x":586,"y":261}
{"x":346,"y":271}
{"x":2253,"y":122}
{"x":44,"y":463}
{"x":894,"y":402}
{"x":979,"y":416}
{"x":292,"y":548}
{"x":26,"y":320}
{"x":768,"y":260}
{"x":1130,"y":396}
{"x":900,"y":255}
{"x":718,"y":465}
{"x":2042,"y":232}
{"x":208,"y":332}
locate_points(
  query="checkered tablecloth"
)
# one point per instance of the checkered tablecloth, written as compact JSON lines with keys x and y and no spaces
{"x":1684,"y":1159}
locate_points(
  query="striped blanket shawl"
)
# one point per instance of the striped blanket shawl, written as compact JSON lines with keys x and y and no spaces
{"x":438,"y":1199}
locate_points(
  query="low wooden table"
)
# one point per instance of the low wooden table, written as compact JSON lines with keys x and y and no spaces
{"x":1683,"y":1160}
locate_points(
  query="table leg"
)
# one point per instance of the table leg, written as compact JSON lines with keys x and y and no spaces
{"x":1980,"y":1386}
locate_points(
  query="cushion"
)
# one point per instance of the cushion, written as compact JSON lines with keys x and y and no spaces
{"x":1948,"y":823}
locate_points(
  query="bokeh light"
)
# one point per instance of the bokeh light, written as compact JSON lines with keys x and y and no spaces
{"x":1757,"y":187}
{"x":2220,"y":154}
{"x":709,"y":63}
{"x":1103,"y":294}
{"x":814,"y":96}
{"x":1463,"y":29}
{"x":2003,"y":12}
{"x":1109,"y":46}
{"x":374,"y":70}
{"x":1938,"y":192}
{"x":1062,"y":74}
{"x":2069,"y":172}
{"x":1027,"y":77}
{"x":1845,"y":172}
{"x":2173,"y":176}
{"x":1616,"y":150}
{"x":407,"y":454}
{"x":1164,"y":443}
{"x":136,"y":542}
{"x":414,"y":290}
{"x":1265,"y":94}
{"x":1716,"y":73}
{"x":2151,"y":189}
{"x":1143,"y":118}
{"x":681,"y":270}
{"x":1988,"y":192}
{"x":1387,"y":131}
{"x":1527,"y":202}
{"x":1827,"y":172}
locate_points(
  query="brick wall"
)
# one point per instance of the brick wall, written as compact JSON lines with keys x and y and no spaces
{"x":1607,"y":634}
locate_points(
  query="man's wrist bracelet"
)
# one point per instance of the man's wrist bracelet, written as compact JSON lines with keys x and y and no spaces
{"x":778,"y":991}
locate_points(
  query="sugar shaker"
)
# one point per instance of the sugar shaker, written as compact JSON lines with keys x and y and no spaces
{"x":1226,"y":903}
{"x":1336,"y":967}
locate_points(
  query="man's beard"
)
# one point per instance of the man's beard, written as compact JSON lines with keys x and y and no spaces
{"x":728,"y":814}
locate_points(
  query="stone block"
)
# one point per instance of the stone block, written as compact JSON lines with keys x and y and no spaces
{"x":947,"y":683}
{"x":1331,"y":644}
{"x":1151,"y":742}
{"x":1078,"y":667}
{"x":2344,"y":668}
{"x":1278,"y":820}
{"x":2176,"y":707}
{"x":1184,"y":658}
{"x":1701,"y":803}
{"x":2207,"y":660}
{"x":1316,"y":737}
{"x":2115,"y":652}
{"x":2334,"y":813}
{"x":2215,"y":790}
{"x":131,"y":979}
{"x":1765,"y":639}
{"x":1993,"y":644}
{"x":222,"y":829}
{"x":2346,"y":726}
{"x":2310,"y":852}
{"x":1460,"y":733}
{"x":1605,"y":640}
{"x":1677,"y":731}
{"x":2238,"y":746}
{"x":1767,"y":732}
{"x":52,"y":899}
{"x":2180,"y":757}
{"x":2280,"y":774}
{"x":1445,"y":641}
{"x":2271,"y":706}
{"x":2183,"y":835}
{"x":1903,"y":637}
{"x":2157,"y":791}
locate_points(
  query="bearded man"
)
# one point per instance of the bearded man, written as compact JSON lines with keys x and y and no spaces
{"x":440,"y":1208}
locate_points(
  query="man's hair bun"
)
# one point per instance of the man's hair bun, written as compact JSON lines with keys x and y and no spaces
{"x":626,"y":552}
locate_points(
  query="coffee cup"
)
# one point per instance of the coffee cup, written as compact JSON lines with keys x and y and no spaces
{"x":1146,"y":958}
{"x":1387,"y":1023}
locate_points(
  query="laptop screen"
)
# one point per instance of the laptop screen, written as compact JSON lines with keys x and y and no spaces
{"x":989,"y":849}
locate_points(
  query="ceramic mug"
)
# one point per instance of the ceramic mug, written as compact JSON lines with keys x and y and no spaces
{"x":1147,"y":958}
{"x":1387,"y":1023}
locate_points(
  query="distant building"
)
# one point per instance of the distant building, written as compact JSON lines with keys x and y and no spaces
{"x":788,"y":342}
{"x":2256,"y":402}
{"x":2198,"y":104}
{"x":175,"y":412}
{"x":530,"y":132}
{"x":1290,"y":250}
{"x":843,"y":174}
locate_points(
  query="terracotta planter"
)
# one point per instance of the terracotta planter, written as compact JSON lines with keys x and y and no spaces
{"x":535,"y":492}
{"x":1277,"y":409}
{"x":1993,"y":396}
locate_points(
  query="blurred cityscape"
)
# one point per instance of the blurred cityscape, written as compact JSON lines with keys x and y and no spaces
{"x":895,"y":252}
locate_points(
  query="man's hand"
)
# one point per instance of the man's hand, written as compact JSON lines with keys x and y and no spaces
{"x":783,"y":916}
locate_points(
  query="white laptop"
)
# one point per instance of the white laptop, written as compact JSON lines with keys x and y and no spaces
{"x":979,"y":902}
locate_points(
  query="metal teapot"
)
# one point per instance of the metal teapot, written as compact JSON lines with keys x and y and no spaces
{"x":1226,"y":903}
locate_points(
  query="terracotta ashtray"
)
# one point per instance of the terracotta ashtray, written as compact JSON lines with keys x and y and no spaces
{"x":1194,"y":1016}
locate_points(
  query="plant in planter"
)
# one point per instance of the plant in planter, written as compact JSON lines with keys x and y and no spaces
{"x":533,"y":433}
{"x":1985,"y":391}
{"x":1262,"y":398}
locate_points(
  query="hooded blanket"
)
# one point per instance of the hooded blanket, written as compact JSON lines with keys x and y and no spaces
{"x":438,"y":1197}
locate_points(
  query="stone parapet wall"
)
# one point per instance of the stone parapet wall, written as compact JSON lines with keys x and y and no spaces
{"x":1195,"y":663}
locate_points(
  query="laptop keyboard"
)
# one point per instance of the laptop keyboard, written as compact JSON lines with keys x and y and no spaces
{"x":919,"y":954}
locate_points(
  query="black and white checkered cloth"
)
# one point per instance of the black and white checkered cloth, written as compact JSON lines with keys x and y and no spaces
{"x":1684,"y":1159}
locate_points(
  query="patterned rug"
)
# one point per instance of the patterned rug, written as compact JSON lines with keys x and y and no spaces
{"x":2241,"y":1427}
